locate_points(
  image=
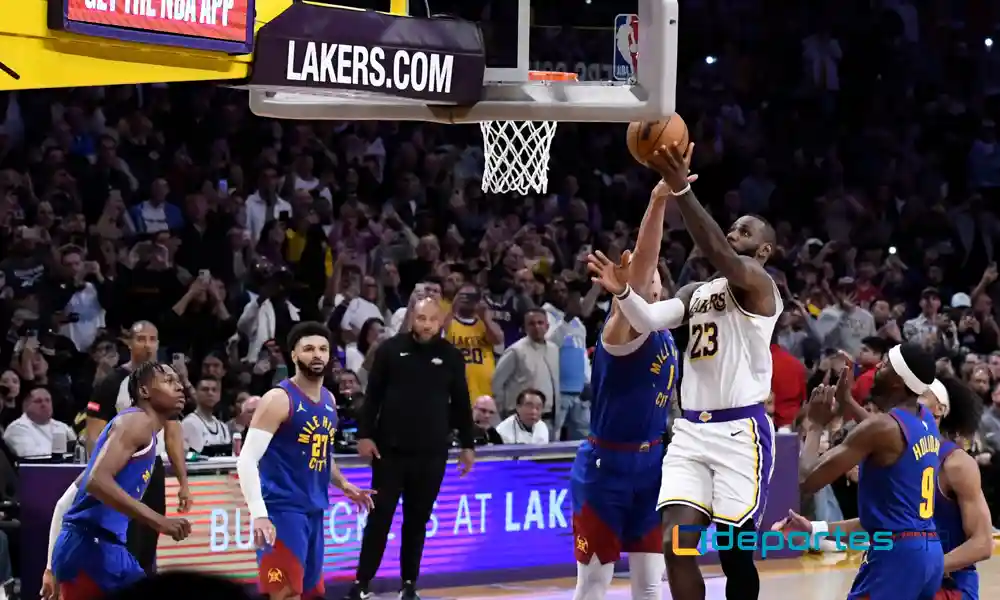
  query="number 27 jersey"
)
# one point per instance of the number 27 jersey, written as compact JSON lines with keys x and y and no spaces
{"x":295,"y":469}
{"x":727,"y":363}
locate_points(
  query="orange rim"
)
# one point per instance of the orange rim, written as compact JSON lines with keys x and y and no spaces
{"x":551,"y":76}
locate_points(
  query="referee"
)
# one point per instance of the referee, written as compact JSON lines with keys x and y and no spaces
{"x":416,"y":395}
{"x":111,"y":396}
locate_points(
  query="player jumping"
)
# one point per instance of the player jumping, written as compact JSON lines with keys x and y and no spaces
{"x":87,"y":554}
{"x":286,"y":467}
{"x":616,"y":476}
{"x":961,"y":514}
{"x":899,"y":453}
{"x":719,"y":463}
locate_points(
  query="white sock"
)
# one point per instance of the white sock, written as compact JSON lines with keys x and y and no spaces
{"x":646,"y":575}
{"x":593,"y":580}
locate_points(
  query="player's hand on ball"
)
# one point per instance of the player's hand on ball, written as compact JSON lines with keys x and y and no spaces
{"x":264,"y":532}
{"x":178,"y":529}
{"x":610,"y":276}
{"x":794,"y":522}
{"x":363,"y":498}
{"x":673,"y":163}
{"x":50,"y":587}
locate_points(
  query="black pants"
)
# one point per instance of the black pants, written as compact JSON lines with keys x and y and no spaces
{"x":142,"y":539}
{"x":418,"y":480}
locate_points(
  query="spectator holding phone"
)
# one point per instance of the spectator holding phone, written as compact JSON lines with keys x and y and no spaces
{"x":199,"y":319}
{"x":843,"y":325}
{"x":366,"y":303}
{"x":265,"y":204}
{"x":81,"y":295}
{"x":471,"y":329}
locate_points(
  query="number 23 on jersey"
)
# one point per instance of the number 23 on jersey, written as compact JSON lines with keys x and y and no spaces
{"x":704,"y":340}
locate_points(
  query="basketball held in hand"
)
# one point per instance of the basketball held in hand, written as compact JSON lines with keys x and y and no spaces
{"x":645,"y":137}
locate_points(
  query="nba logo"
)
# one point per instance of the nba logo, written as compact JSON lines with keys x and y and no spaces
{"x":626,"y":63}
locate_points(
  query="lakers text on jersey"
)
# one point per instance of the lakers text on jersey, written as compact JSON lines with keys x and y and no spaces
{"x":480,"y":362}
{"x":728,"y":358}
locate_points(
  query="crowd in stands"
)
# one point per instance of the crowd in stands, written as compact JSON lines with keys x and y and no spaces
{"x":865,"y":133}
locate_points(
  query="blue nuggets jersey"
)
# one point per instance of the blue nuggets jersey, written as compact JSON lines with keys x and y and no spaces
{"x":89,"y":513}
{"x":295,"y":469}
{"x":948,"y":519}
{"x":615,"y":479}
{"x":632,"y":393}
{"x":900,"y":497}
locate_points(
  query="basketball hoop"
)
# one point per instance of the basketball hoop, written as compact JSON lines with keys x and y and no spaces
{"x":517,"y":152}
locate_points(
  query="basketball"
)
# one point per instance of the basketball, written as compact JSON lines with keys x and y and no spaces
{"x":645,"y":137}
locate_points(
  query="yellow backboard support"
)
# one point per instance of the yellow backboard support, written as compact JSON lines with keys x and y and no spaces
{"x":34,"y":56}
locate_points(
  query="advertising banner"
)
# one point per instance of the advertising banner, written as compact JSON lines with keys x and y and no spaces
{"x":510,"y":518}
{"x":310,"y":47}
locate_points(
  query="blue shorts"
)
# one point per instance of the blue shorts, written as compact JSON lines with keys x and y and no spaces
{"x":911,"y":570}
{"x":84,"y":561}
{"x":295,"y":560}
{"x":614,"y":498}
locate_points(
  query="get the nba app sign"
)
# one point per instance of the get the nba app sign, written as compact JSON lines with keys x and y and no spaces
{"x":209,"y":19}
{"x":626,"y":60}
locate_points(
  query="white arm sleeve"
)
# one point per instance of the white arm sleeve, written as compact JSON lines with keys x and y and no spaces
{"x":647,"y":318}
{"x":254,"y":446}
{"x":65,"y":501}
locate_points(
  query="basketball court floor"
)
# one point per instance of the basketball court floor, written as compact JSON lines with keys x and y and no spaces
{"x":809,"y":578}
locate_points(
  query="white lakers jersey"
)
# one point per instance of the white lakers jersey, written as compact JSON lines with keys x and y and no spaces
{"x":728,"y":359}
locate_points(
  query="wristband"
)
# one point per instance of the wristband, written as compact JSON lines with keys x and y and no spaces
{"x":625,"y":292}
{"x":686,"y":189}
{"x":820,"y":528}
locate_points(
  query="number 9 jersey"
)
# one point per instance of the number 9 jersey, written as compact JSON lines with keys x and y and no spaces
{"x":728,"y":359}
{"x":898,"y":500}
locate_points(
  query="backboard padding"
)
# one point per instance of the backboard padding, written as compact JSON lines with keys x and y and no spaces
{"x":651,"y":97}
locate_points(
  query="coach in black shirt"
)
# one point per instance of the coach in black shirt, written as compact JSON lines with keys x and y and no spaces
{"x":110,"y":397}
{"x":416,"y":395}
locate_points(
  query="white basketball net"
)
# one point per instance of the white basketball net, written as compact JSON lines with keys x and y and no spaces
{"x":517,"y":155}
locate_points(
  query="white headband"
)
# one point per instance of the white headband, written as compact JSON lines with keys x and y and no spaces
{"x":937,"y":388}
{"x":903,"y":370}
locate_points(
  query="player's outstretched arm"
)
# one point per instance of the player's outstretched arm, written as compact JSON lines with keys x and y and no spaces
{"x":817,"y":471}
{"x":742,"y":272}
{"x":666,"y":314}
{"x":129,"y":434}
{"x":639,"y":270}
{"x":650,"y":238}
{"x":963,"y":476}
{"x":642,"y":316}
{"x":795,"y":522}
{"x":62,"y":506}
{"x":270,"y":414}
{"x":876,"y":433}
